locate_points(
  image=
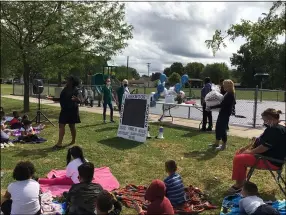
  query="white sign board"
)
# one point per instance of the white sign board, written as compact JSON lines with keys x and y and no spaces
{"x":134,"y":117}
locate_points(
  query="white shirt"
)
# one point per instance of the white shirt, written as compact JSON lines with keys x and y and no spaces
{"x":25,"y":197}
{"x":250,"y":204}
{"x":72,"y":170}
{"x":30,"y":129}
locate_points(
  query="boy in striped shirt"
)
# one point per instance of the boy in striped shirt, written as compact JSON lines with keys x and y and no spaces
{"x":174,"y":185}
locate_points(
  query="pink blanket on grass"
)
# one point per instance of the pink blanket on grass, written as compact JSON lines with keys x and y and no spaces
{"x":102,"y":176}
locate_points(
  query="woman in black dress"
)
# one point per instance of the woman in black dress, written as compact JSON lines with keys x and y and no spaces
{"x":69,"y":110}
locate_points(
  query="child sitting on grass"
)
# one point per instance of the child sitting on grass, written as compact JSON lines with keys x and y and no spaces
{"x":15,"y":123}
{"x":159,"y":204}
{"x":75,"y":158}
{"x":251,"y":204}
{"x":105,"y":202}
{"x":82,"y":197}
{"x":175,"y":191}
{"x":22,"y":196}
{"x":5,"y":133}
{"x":27,"y":132}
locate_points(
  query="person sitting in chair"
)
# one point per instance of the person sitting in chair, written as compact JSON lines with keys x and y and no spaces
{"x":272,"y":144}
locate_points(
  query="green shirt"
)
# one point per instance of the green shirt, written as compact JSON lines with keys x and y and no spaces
{"x":107,"y":94}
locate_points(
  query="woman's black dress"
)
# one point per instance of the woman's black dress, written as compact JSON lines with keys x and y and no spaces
{"x":69,"y":109}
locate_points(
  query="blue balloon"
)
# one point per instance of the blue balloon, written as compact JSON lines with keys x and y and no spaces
{"x":156,"y":96}
{"x":178,"y":87}
{"x":185,"y":79}
{"x":160,"y":88}
{"x":163,"y":78}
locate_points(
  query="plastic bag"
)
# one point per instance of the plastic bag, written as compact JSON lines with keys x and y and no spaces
{"x":214,"y":97}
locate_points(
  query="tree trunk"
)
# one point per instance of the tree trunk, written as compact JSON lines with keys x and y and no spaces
{"x":26,"y":77}
{"x":59,"y":79}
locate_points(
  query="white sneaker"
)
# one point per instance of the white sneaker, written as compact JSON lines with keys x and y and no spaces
{"x":11,"y":144}
{"x":6,"y":145}
{"x":2,"y":146}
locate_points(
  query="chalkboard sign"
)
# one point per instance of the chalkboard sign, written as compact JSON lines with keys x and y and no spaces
{"x":134,"y":117}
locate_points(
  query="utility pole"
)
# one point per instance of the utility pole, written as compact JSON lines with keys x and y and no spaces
{"x":148,"y":66}
{"x":127,"y":67}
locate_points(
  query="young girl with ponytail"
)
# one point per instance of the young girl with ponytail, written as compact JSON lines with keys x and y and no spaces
{"x":74,"y":159}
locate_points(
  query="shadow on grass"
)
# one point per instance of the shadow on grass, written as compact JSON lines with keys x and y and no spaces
{"x":119,"y":143}
{"x":202,"y":155}
{"x":38,"y":153}
{"x":266,"y":196}
{"x":106,"y":129}
{"x":88,"y":126}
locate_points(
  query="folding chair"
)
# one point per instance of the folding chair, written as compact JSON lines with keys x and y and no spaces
{"x":279,"y":171}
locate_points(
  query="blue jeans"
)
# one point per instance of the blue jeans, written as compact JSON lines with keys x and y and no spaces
{"x":104,"y":110}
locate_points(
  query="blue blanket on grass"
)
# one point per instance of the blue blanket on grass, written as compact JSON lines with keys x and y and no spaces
{"x":230,"y":205}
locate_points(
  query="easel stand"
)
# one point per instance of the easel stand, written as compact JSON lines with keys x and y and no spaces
{"x":37,"y":118}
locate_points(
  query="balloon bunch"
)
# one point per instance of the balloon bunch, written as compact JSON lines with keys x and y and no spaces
{"x":175,"y":90}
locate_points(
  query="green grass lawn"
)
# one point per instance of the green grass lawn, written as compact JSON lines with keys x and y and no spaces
{"x":6,"y":89}
{"x":133,"y":162}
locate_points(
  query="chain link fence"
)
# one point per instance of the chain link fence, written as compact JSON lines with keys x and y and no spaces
{"x":250,"y":103}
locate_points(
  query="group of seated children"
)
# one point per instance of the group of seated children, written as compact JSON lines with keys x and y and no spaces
{"x":85,"y":197}
{"x":27,"y":133}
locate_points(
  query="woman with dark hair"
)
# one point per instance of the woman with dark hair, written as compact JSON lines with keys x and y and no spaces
{"x":22,"y":196}
{"x":74,"y":159}
{"x":69,"y":110}
{"x":270,"y":144}
{"x":107,"y":100}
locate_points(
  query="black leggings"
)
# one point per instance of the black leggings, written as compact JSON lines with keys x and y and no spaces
{"x":104,"y":110}
{"x":6,"y":208}
{"x":221,"y":127}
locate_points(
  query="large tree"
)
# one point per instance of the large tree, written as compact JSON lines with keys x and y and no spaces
{"x":51,"y":36}
{"x":261,"y":52}
{"x":122,"y":73}
{"x":216,"y":72}
{"x":194,"y":70}
{"x":177,"y":67}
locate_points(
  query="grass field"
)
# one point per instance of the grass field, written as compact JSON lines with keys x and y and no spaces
{"x":240,"y":93}
{"x":133,"y":162}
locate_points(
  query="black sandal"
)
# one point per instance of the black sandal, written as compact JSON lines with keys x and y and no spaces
{"x":234,"y":190}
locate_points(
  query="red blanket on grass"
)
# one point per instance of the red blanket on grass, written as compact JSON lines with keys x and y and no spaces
{"x":102,"y":176}
{"x":196,"y":200}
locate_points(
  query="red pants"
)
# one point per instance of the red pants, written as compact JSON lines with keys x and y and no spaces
{"x":56,"y":181}
{"x":242,"y":161}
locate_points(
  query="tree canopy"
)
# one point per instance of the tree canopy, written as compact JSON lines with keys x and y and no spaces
{"x":52,"y":37}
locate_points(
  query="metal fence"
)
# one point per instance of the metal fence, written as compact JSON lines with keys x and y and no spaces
{"x":250,"y":103}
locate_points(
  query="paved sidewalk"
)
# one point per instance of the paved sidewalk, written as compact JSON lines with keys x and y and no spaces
{"x":178,"y":122}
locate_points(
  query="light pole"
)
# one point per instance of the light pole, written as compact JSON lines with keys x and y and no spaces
{"x":148,"y":66}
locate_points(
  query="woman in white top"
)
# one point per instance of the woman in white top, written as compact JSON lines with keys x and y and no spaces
{"x":22,"y":196}
{"x":74,"y":159}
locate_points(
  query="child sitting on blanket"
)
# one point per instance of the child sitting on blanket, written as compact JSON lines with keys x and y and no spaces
{"x":82,"y":197}
{"x":5,"y":134}
{"x":159,"y":203}
{"x":15,"y":123}
{"x":22,"y":196}
{"x":27,"y":132}
{"x":175,"y":191}
{"x":105,"y":202}
{"x":251,"y":204}
{"x":75,"y":158}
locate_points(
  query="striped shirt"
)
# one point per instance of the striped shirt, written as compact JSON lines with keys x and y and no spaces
{"x":175,"y":189}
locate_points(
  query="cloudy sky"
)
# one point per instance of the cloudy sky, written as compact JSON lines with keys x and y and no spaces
{"x":167,"y":32}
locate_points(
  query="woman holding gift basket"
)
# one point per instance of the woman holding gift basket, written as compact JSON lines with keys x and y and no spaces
{"x":226,"y":107}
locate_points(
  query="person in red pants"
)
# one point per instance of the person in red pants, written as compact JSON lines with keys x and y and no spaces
{"x":272,"y":144}
{"x":75,"y":158}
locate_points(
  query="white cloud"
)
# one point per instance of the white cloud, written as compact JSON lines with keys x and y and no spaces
{"x":166,"y":32}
